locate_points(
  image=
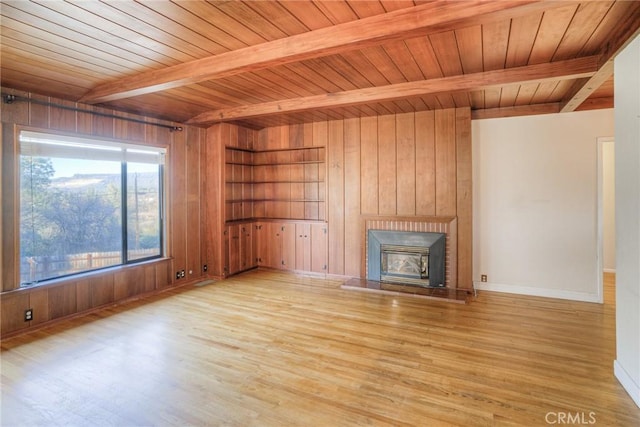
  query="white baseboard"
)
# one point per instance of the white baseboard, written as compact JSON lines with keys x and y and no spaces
{"x":627,"y":382}
{"x":537,"y":292}
{"x":609,"y":270}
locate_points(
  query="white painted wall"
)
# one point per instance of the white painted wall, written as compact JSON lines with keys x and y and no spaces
{"x":627,"y":116}
{"x":535,"y":203}
{"x":609,"y":206}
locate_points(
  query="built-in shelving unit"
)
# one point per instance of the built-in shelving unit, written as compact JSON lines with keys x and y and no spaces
{"x":275,"y":183}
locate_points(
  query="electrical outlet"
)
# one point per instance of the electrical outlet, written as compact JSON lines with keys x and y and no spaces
{"x":178,"y":275}
{"x":182,"y":276}
{"x":483,"y":278}
{"x":204,"y":267}
{"x":28,"y":315}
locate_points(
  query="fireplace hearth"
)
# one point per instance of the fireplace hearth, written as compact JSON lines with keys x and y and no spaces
{"x":408,"y":258}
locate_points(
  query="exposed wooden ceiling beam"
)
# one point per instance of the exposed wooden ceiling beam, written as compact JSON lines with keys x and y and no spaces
{"x":560,"y":70}
{"x":582,"y":89}
{"x":535,"y":109}
{"x":596,"y":104}
{"x":411,"y":22}
{"x":520,"y":110}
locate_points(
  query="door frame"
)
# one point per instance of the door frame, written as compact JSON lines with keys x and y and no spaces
{"x":601,"y":141}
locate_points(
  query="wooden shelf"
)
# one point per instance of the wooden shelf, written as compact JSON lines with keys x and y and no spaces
{"x":275,"y":200}
{"x":306,"y":162}
{"x":272,"y":219}
{"x":239,"y":163}
{"x":245,"y":150}
{"x":275,"y":150}
{"x":276,"y":182}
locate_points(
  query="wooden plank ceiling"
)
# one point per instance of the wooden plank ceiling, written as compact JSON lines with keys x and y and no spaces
{"x":264,"y":63}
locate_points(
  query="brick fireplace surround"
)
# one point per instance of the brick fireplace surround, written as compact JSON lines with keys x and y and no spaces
{"x":434,"y":224}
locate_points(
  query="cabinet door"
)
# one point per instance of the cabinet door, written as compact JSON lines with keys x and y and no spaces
{"x":233,"y":231}
{"x":303,"y":247}
{"x":288,"y":246}
{"x":273,"y":245}
{"x":225,"y":251}
{"x":247,"y":257}
{"x":262,"y":239}
{"x":319,"y":246}
{"x":255,"y":244}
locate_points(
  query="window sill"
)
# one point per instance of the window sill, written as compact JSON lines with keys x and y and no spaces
{"x":61,"y":281}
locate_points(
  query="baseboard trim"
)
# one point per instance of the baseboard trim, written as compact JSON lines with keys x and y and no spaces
{"x":537,"y":292}
{"x":627,"y":382}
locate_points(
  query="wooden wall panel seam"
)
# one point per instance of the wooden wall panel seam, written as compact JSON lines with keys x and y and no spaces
{"x":335,"y":155}
{"x":352,"y":167}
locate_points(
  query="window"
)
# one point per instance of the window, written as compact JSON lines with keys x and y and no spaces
{"x":86,"y":205}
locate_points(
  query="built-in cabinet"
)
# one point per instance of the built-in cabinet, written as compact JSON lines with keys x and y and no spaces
{"x":274,"y":205}
{"x":277,"y":245}
{"x":239,"y":244}
{"x":280,"y":244}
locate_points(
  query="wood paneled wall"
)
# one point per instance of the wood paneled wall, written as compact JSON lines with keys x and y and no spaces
{"x":413,"y":164}
{"x":183,"y":182}
{"x":403,"y":165}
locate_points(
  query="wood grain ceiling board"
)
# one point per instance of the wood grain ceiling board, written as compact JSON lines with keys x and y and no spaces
{"x":492,"y":97}
{"x":200,"y":22}
{"x":35,"y":31}
{"x":337,"y":13}
{"x":13,"y":35}
{"x":495,"y":40}
{"x":508,"y":95}
{"x":76,"y":21}
{"x":588,"y":15}
{"x":308,"y":13}
{"x":525,"y":94}
{"x":66,"y":49}
{"x":616,"y":19}
{"x":469,"y":44}
{"x":522,"y":36}
{"x":552,"y":28}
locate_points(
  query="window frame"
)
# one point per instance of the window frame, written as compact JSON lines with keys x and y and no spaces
{"x":91,"y":139}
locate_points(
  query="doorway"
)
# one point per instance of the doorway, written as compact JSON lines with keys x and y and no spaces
{"x":606,"y":214}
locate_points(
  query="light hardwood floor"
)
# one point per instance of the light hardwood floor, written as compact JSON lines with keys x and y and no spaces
{"x":274,"y":349}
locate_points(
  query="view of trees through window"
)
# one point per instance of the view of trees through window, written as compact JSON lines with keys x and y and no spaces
{"x":71,"y":215}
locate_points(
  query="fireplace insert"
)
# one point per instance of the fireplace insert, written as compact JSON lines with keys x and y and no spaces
{"x":407,"y":264}
{"x":410,"y":258}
